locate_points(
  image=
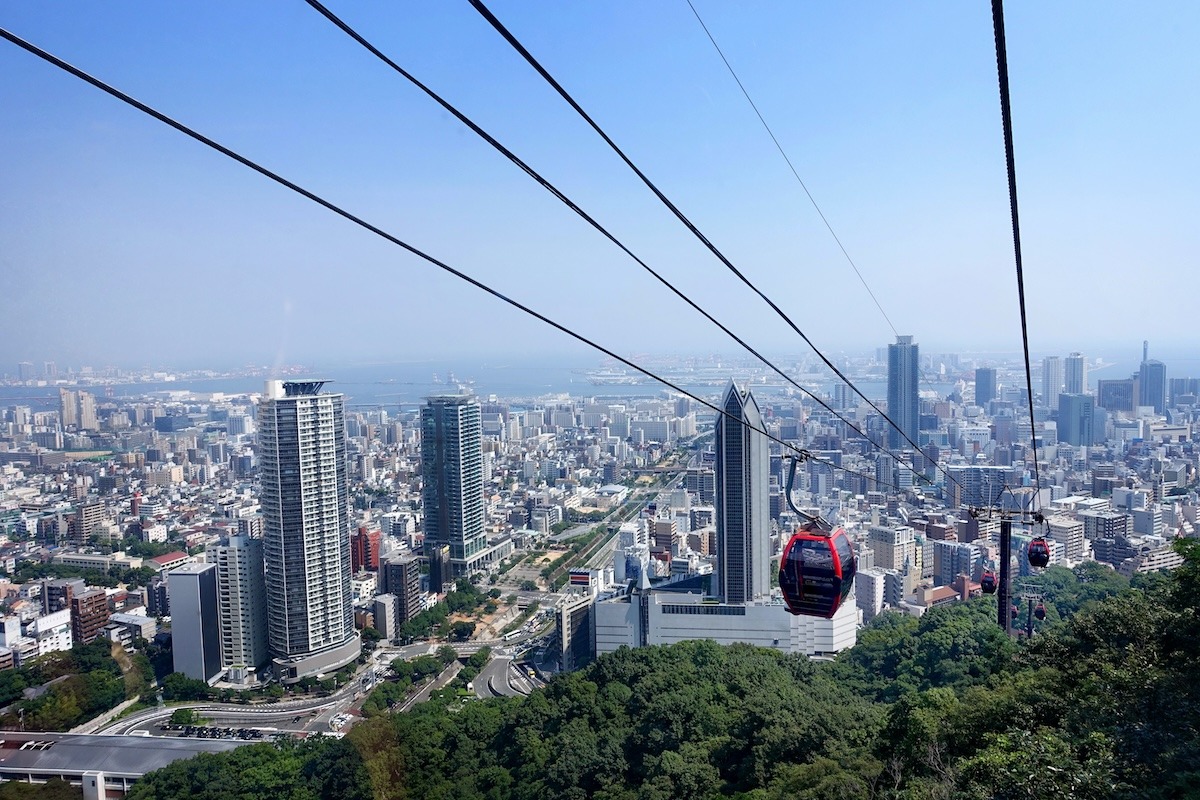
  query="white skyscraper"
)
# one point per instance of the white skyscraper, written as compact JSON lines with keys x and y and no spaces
{"x":243,"y":606}
{"x":306,"y":530}
{"x":743,"y":566}
{"x":1052,"y":381}
{"x":1075,"y":379}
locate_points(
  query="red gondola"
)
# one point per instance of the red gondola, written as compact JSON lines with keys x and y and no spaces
{"x":1016,"y":611}
{"x":817,"y":570}
{"x":1040,"y":611}
{"x":987,"y":582}
{"x":1039,"y":552}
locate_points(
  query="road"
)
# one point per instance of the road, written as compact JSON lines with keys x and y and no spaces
{"x":247,"y":716}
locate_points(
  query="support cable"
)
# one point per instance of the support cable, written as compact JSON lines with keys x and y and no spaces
{"x":1010,"y":164}
{"x":565,"y":200}
{"x":792,"y":167}
{"x":533,"y":62}
{"x":330,"y":206}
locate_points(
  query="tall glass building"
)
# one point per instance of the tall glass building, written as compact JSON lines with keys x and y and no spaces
{"x":904,"y":374}
{"x":743,"y":568}
{"x":1075,"y":374}
{"x":452,"y":488}
{"x":306,"y":530}
{"x":1152,"y":385}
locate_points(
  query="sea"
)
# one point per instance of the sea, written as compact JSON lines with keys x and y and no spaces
{"x":404,"y":385}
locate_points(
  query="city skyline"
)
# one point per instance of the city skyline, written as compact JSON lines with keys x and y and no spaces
{"x":93,"y":196}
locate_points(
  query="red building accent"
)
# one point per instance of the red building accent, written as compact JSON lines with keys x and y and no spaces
{"x":364,"y":550}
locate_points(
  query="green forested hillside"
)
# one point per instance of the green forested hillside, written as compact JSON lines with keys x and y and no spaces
{"x":1102,"y":703}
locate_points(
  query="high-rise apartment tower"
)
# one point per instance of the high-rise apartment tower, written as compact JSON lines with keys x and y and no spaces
{"x":242,"y":606}
{"x":452,"y":490}
{"x":306,"y":530}
{"x":1076,"y":374}
{"x":1052,"y":381}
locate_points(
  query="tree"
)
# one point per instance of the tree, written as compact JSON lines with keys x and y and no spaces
{"x":462,"y":630}
{"x":178,"y":686}
{"x":185,"y":716}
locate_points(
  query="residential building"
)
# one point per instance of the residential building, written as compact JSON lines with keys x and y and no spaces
{"x":1075,"y":375}
{"x":1052,"y":381}
{"x":242,"y":606}
{"x":89,"y":614}
{"x":306,"y":530}
{"x":452,"y":494}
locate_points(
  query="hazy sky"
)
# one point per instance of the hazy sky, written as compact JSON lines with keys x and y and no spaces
{"x":123,"y":242}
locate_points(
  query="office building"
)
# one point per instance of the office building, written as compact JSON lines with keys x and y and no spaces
{"x":1152,"y":382}
{"x":1075,"y":419}
{"x":1052,"y":380}
{"x":1075,"y":375}
{"x":650,"y":617}
{"x":195,"y":622}
{"x":1115,"y":395}
{"x":452,"y":490}
{"x":904,"y":374}
{"x":243,"y":606}
{"x":742,"y":508}
{"x":985,"y":385}
{"x":306,"y":530}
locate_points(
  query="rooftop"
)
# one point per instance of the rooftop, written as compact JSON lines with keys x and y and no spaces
{"x":74,"y":754}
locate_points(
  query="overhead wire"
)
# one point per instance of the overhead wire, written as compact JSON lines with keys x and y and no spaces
{"x":792,"y":167}
{"x":569,"y":203}
{"x":362,"y":223}
{"x":799,"y":180}
{"x":1010,"y":165}
{"x":515,"y":43}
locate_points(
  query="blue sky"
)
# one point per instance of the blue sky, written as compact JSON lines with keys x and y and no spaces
{"x":123,"y":242}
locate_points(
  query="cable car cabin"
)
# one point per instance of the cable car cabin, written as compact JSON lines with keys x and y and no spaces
{"x":1040,"y":611}
{"x":816,"y":572}
{"x":1039,"y":552}
{"x":1016,"y":611}
{"x":987,"y":582}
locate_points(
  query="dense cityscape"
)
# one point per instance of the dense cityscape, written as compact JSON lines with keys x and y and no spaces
{"x":598,"y":401}
{"x":283,"y":548}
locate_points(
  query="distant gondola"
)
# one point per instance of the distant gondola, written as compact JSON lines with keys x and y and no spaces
{"x":987,"y":582}
{"x":1039,"y":552}
{"x":1016,"y":611}
{"x":1040,"y":611}
{"x":817,"y":570}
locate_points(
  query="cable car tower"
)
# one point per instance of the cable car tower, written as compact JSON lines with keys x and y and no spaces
{"x":1004,"y":618}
